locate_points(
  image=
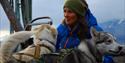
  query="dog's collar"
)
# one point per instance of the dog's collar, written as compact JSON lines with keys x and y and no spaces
{"x":43,"y":46}
{"x":46,"y":47}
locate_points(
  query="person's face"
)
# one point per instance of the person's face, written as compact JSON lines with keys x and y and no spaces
{"x":70,"y":16}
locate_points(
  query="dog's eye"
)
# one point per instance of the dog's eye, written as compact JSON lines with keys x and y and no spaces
{"x":110,"y":41}
{"x":40,"y":39}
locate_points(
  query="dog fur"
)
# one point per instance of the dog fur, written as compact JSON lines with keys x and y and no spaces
{"x":43,"y":35}
{"x":101,"y":43}
{"x":10,"y":43}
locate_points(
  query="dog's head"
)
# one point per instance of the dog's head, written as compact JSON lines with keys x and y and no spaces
{"x":105,"y":42}
{"x":46,"y":32}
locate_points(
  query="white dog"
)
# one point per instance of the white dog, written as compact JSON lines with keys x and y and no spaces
{"x":44,"y":43}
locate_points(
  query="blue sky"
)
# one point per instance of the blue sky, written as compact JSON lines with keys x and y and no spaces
{"x":103,"y":10}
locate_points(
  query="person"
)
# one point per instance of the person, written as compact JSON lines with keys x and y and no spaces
{"x":76,"y":24}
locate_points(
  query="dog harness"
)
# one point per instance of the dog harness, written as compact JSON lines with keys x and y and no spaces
{"x":37,"y":50}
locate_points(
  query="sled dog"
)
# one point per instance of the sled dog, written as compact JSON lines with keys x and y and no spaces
{"x":92,"y":50}
{"x":101,"y":43}
{"x":44,"y":38}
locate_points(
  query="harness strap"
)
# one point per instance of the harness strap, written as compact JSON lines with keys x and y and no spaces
{"x":37,"y":52}
{"x":71,"y":33}
{"x":20,"y":56}
{"x":66,"y":42}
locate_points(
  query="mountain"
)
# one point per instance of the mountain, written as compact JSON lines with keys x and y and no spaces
{"x":116,"y":27}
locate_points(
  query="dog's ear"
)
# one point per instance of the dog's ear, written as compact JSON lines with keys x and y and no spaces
{"x":54,"y":31}
{"x":93,"y":32}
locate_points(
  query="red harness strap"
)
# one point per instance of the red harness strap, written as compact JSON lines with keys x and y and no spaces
{"x":67,"y":40}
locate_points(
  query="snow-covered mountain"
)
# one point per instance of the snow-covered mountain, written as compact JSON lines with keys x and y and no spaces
{"x":115,"y":27}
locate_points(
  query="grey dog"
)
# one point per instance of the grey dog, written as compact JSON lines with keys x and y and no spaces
{"x":92,"y":50}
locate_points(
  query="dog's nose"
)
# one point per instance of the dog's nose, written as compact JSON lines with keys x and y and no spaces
{"x":120,"y":47}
